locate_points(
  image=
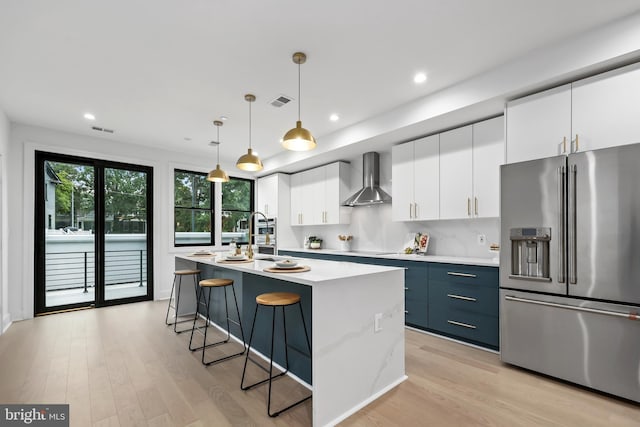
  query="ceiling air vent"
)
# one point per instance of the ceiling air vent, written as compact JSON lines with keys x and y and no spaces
{"x":99,"y":129}
{"x":281,"y":100}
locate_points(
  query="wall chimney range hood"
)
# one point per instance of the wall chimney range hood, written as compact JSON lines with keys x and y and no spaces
{"x":371,"y":193}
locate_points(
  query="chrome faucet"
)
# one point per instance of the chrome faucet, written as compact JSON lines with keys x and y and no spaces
{"x":267,"y":239}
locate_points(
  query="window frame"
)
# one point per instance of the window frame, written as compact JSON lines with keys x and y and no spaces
{"x":211,"y":209}
{"x":252,"y":191}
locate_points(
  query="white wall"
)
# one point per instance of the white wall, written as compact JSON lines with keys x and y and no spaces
{"x":374,"y":230}
{"x":20,"y":165}
{"x":5,"y":318}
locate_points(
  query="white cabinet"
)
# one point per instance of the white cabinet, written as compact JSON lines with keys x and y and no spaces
{"x":539,"y":125}
{"x":456,"y":173}
{"x":316,"y":195}
{"x":470,"y":159}
{"x":415,"y":180}
{"x":488,"y":155}
{"x":593,"y":113}
{"x":297,"y":203}
{"x":270,"y":194}
{"x":605,"y":110}
{"x":336,"y":191}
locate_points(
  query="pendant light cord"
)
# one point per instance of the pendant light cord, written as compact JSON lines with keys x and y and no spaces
{"x":299,"y":91}
{"x":218,"y":144}
{"x":249,"y":124}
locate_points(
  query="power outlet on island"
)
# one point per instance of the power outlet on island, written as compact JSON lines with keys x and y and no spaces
{"x":482,"y":240}
{"x":377,"y":322}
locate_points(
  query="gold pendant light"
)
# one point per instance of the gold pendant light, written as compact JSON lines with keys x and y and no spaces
{"x":217,"y":175}
{"x":249,"y":161}
{"x":299,"y":138}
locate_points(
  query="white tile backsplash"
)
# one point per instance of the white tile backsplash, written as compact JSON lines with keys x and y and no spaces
{"x":373,"y":230}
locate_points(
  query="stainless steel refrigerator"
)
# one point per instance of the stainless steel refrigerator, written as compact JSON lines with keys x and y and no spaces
{"x":570,"y":268}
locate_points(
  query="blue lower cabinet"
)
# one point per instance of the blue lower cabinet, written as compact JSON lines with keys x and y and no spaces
{"x":415,"y":313}
{"x":459,"y":301}
{"x":464,"y":303}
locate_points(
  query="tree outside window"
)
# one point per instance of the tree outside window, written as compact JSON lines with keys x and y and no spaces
{"x":237,"y":205}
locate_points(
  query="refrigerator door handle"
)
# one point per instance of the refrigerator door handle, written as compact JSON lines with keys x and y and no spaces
{"x":573,"y":268}
{"x":562,"y":257}
{"x":630,"y":316}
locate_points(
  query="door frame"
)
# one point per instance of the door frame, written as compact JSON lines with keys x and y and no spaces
{"x":39,"y":297}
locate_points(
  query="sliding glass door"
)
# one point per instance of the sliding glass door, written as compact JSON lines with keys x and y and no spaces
{"x":92,"y":233}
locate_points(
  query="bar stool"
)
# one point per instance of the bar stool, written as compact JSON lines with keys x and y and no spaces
{"x":177,"y":279}
{"x":274,"y":300}
{"x":210,"y":284}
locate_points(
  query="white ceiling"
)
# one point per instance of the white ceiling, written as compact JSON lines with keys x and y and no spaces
{"x":158,"y":72}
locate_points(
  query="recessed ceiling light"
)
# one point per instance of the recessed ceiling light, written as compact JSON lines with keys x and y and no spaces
{"x":223,"y":118}
{"x":186,"y":138}
{"x":89,"y":116}
{"x":334,"y":117}
{"x":420,"y":78}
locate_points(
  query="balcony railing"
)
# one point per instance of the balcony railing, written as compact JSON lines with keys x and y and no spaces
{"x":73,"y":270}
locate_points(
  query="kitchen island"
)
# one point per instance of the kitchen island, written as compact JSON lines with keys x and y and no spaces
{"x":356,"y":327}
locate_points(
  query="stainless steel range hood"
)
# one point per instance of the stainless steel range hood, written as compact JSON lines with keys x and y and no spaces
{"x":371,"y":193}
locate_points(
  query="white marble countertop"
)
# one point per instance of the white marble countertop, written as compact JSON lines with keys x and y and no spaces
{"x":488,"y":262}
{"x":321,"y":270}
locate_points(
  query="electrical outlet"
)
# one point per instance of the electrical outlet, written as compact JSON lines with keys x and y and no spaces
{"x":482,"y":239}
{"x":377,"y":322}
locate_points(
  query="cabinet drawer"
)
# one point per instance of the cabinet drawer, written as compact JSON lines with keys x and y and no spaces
{"x":481,"y":328}
{"x":456,"y":296}
{"x":464,"y":274}
{"x":415,"y":312}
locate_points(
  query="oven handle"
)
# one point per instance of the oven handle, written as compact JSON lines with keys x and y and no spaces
{"x":629,"y":316}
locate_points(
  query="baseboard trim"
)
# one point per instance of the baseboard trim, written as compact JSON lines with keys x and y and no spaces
{"x":6,"y":322}
{"x":367,"y":401}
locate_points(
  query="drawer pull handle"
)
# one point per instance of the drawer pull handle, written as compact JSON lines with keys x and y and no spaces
{"x":406,"y":312}
{"x":406,"y":289}
{"x":461,"y":297}
{"x":453,"y":273}
{"x":464,"y":325}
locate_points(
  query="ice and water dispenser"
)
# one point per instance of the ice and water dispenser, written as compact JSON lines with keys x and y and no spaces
{"x":530,"y":253}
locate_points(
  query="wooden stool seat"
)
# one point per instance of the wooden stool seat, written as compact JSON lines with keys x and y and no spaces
{"x":214,"y":283}
{"x":278,"y":298}
{"x":186,"y":272}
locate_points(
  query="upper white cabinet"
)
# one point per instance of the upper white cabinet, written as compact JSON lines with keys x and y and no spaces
{"x":272,"y":196}
{"x":456,"y":173}
{"x":415,"y":175}
{"x":316,"y":195}
{"x":605,"y":110}
{"x":539,"y":125}
{"x":589,"y":114}
{"x":470,"y":159}
{"x":488,"y":155}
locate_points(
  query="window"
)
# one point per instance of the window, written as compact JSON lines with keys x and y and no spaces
{"x":193,"y":209}
{"x":237,"y":205}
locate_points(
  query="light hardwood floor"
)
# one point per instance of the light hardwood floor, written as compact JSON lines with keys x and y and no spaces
{"x":120,"y":366}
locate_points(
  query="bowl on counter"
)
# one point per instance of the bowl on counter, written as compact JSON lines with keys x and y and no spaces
{"x":286,"y":263}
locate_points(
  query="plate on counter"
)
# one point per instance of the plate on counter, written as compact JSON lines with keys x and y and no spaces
{"x":236,"y":257}
{"x":202,"y":253}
